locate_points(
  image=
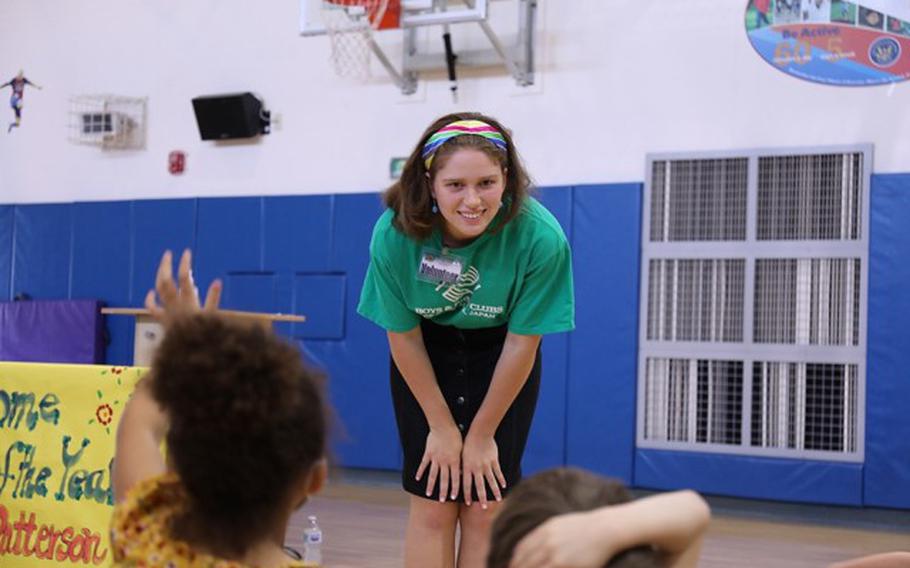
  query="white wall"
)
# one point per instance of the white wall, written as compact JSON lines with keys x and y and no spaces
{"x":618,"y":78}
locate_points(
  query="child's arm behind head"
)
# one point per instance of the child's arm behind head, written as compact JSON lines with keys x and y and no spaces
{"x":673,"y":523}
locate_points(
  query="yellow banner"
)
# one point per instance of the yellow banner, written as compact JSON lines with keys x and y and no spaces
{"x":58,"y":424}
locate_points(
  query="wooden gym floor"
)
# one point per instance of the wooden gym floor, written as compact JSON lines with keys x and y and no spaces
{"x":362,"y":515}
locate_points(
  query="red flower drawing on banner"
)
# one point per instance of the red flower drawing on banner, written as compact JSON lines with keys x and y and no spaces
{"x":105,"y":414}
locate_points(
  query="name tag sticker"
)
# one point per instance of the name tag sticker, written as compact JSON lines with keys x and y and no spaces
{"x":438,"y":268}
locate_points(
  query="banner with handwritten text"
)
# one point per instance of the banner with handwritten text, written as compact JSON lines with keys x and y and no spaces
{"x":58,"y":424}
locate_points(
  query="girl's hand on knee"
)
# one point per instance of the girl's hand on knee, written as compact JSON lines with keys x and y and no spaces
{"x":480,"y":468}
{"x":442,"y":461}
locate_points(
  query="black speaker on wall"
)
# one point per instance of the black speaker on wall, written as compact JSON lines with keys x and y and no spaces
{"x":225,"y":117}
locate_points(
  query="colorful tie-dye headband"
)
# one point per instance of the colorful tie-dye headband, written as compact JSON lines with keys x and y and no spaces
{"x":458,"y":128}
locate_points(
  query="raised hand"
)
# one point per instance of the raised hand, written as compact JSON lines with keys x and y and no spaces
{"x":480,"y":468}
{"x":181,"y":297}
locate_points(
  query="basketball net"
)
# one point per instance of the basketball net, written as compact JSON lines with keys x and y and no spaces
{"x":350,"y":25}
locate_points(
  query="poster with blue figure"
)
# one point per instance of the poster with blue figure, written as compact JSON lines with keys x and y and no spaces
{"x":17,"y":84}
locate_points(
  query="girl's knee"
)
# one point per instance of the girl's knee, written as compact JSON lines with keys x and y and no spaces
{"x":433,"y":516}
{"x":476,"y":518}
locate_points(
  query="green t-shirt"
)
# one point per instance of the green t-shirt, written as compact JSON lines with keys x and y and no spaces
{"x":520,"y":275}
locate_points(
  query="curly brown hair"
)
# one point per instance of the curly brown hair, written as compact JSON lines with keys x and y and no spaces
{"x":555,"y":492}
{"x":247,"y":421}
{"x":410,"y":196}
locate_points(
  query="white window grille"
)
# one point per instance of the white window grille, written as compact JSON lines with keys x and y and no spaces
{"x":807,"y":301}
{"x":693,"y":401}
{"x":108,"y":121}
{"x":696,"y":299}
{"x":753,"y":303}
{"x":699,"y":200}
{"x":804,"y":406}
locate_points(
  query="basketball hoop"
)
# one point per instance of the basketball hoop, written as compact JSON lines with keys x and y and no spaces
{"x":350,"y":25}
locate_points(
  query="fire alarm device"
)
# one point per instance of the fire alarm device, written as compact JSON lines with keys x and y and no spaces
{"x":176,"y":162}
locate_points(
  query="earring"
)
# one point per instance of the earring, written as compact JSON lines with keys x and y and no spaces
{"x":434,"y":209}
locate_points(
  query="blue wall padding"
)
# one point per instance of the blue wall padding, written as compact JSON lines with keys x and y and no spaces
{"x":250,"y":291}
{"x":284,"y":302}
{"x":321,"y":298}
{"x":747,"y":476}
{"x":546,"y":443}
{"x":102,"y":234}
{"x":359,"y":365}
{"x":228,"y":237}
{"x":887,"y":474}
{"x":298,"y":239}
{"x":102,"y":255}
{"x":298,"y":233}
{"x":159,"y":225}
{"x":42,"y":251}
{"x":308,"y":255}
{"x":600,"y":427}
{"x":6,"y":250}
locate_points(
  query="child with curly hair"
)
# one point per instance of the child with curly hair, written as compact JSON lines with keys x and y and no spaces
{"x":245,"y":425}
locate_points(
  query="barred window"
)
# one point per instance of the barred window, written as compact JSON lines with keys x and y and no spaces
{"x":699,"y":200}
{"x":752,"y":332}
{"x":692,"y":400}
{"x":696,"y":299}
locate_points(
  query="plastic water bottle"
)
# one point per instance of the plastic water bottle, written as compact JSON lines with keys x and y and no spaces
{"x":312,"y":542}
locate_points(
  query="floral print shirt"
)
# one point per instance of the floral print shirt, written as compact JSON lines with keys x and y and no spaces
{"x":139,"y":530}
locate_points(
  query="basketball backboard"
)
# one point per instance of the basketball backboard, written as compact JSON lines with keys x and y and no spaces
{"x":517,"y":54}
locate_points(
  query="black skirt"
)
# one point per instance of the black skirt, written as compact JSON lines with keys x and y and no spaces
{"x":463,"y":361}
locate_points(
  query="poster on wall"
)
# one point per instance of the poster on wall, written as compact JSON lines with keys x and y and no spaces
{"x":58,"y":424}
{"x":17,"y":85}
{"x":835,"y":42}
